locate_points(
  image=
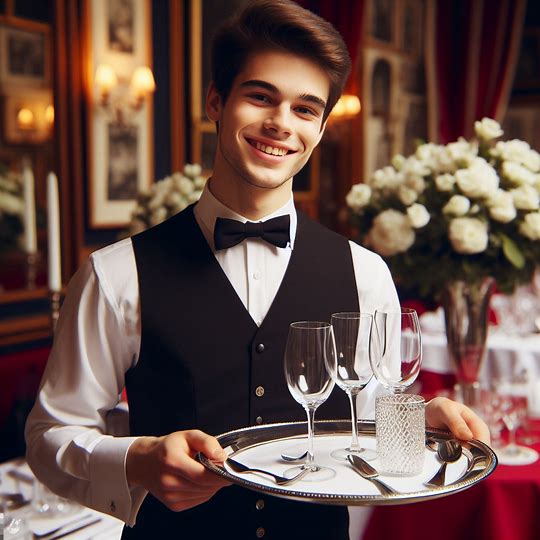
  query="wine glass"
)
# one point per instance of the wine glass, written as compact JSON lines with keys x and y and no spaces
{"x":309,"y":366}
{"x":395,"y":349}
{"x":514,"y":403}
{"x":353,"y":371}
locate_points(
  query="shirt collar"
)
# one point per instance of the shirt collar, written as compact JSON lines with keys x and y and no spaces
{"x":208,"y":208}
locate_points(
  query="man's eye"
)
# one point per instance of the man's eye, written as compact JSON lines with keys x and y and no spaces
{"x":306,"y":110}
{"x":260,"y":97}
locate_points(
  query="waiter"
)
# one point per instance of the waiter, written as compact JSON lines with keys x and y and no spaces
{"x":192,"y":315}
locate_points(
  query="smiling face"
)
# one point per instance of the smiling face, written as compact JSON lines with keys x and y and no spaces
{"x":268,"y":127}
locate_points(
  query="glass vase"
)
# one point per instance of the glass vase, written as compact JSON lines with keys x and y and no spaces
{"x":466,"y":312}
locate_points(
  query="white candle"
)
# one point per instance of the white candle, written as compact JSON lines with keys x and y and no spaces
{"x":30,"y":241}
{"x":53,"y":222}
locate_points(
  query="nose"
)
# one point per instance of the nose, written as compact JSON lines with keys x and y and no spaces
{"x":278,"y":122}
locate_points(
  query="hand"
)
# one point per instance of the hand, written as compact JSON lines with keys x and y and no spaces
{"x":458,"y":418}
{"x":165,"y":467}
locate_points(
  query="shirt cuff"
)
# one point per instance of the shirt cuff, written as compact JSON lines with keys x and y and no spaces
{"x":110,"y":492}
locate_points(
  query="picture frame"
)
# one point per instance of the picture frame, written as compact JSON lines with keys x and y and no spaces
{"x":25,"y":57}
{"x":120,"y":163}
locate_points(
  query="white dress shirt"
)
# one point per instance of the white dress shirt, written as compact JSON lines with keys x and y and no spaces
{"x":97,"y":341}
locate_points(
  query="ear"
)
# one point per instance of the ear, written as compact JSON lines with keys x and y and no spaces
{"x":321,"y":132}
{"x":213,"y":103}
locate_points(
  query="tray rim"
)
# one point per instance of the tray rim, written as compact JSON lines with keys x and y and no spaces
{"x":324,"y":428}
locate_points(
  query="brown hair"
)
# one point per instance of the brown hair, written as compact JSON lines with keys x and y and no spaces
{"x":283,"y":25}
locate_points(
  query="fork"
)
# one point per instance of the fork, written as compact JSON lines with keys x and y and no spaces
{"x":279,"y":480}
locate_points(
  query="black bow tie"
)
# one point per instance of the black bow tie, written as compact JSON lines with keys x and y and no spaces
{"x":229,"y":232}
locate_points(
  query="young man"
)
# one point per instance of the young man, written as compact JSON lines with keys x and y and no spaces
{"x":194,"y":324}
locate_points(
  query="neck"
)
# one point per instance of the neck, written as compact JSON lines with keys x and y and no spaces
{"x":249,"y":201}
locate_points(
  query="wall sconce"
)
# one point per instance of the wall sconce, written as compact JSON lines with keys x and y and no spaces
{"x":347,"y":107}
{"x":116,"y":97}
{"x":28,"y":118}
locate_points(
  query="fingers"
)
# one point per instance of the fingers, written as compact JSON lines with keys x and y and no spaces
{"x":464,"y":423}
{"x":208,"y":445}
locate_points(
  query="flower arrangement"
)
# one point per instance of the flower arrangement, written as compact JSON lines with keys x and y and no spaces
{"x":11,"y":208}
{"x":461,"y":211}
{"x":167,"y":197}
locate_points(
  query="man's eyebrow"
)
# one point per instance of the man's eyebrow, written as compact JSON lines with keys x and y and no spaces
{"x":271,"y":88}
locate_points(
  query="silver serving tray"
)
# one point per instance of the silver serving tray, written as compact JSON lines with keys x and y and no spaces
{"x":261,"y":446}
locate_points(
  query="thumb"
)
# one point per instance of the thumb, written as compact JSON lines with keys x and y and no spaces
{"x":199,"y":441}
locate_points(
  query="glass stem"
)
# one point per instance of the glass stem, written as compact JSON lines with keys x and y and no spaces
{"x":355,"y":445}
{"x":512,"y":437}
{"x":310,"y":462}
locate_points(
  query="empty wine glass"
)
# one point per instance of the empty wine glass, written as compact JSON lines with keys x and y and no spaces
{"x":309,"y":365}
{"x":353,"y":371}
{"x":395,"y":350}
{"x":513,"y":393}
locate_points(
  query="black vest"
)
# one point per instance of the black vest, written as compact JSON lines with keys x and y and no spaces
{"x":202,"y":358}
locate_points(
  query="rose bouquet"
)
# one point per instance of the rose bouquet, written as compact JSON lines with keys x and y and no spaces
{"x":167,"y":197}
{"x":461,"y":211}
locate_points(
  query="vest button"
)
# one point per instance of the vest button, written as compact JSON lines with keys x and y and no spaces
{"x":259,"y":391}
{"x":259,"y":505}
{"x":259,"y":420}
{"x":260,"y":348}
{"x":260,"y":532}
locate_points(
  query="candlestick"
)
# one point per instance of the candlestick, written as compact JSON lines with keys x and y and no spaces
{"x":53,"y":236}
{"x":30,"y":241}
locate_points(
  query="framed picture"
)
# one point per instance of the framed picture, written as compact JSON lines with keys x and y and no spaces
{"x":120,"y":161}
{"x":122,"y":170}
{"x":25,"y":58}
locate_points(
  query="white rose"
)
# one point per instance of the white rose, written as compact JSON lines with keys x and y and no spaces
{"x":358,"y":197}
{"x":444,"y":162}
{"x":531,"y":226}
{"x":479,"y":180}
{"x":517,"y":173}
{"x":501,"y":206}
{"x":158,"y":216}
{"x":185,"y":186}
{"x":407,"y":195}
{"x":487,"y":129}
{"x":391,"y":233}
{"x":468,"y":235}
{"x":415,"y":168}
{"x":525,"y":197}
{"x":445,"y":182}
{"x":463,"y":152}
{"x":386,"y":178}
{"x":11,"y":204}
{"x":415,"y":182}
{"x":174,"y":200}
{"x":398,"y":161}
{"x":136,"y":226}
{"x":199,"y":182}
{"x":532,"y":161}
{"x":514,"y":150}
{"x":194,"y":197}
{"x":157,"y":200}
{"x":418,"y":215}
{"x":458,"y":205}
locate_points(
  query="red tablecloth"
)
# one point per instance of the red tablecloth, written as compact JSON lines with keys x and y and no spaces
{"x":505,"y":506}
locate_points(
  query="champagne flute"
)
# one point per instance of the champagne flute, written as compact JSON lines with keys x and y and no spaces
{"x":395,"y":350}
{"x":353,"y":371}
{"x":309,"y":366}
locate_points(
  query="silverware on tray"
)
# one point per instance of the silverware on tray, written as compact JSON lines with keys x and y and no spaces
{"x":365,"y":470}
{"x":280,"y":480}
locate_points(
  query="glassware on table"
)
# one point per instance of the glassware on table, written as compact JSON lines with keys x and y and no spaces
{"x":513,"y":393}
{"x":400,"y":424}
{"x":351,"y":332}
{"x":310,"y":363}
{"x":395,"y":348}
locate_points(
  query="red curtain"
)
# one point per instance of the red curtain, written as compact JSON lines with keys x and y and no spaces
{"x":476,"y":50}
{"x":347,"y":17}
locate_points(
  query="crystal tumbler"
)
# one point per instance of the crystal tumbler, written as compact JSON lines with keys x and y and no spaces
{"x":400,"y":433}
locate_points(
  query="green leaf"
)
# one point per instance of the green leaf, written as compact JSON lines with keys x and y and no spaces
{"x":512,"y":252}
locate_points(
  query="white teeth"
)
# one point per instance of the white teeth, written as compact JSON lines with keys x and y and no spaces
{"x":270,"y":149}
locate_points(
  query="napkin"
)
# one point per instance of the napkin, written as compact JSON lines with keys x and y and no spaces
{"x":433,"y":321}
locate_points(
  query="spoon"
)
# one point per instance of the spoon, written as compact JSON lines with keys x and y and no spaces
{"x":279,"y":480}
{"x":286,"y":457}
{"x":447,"y":452}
